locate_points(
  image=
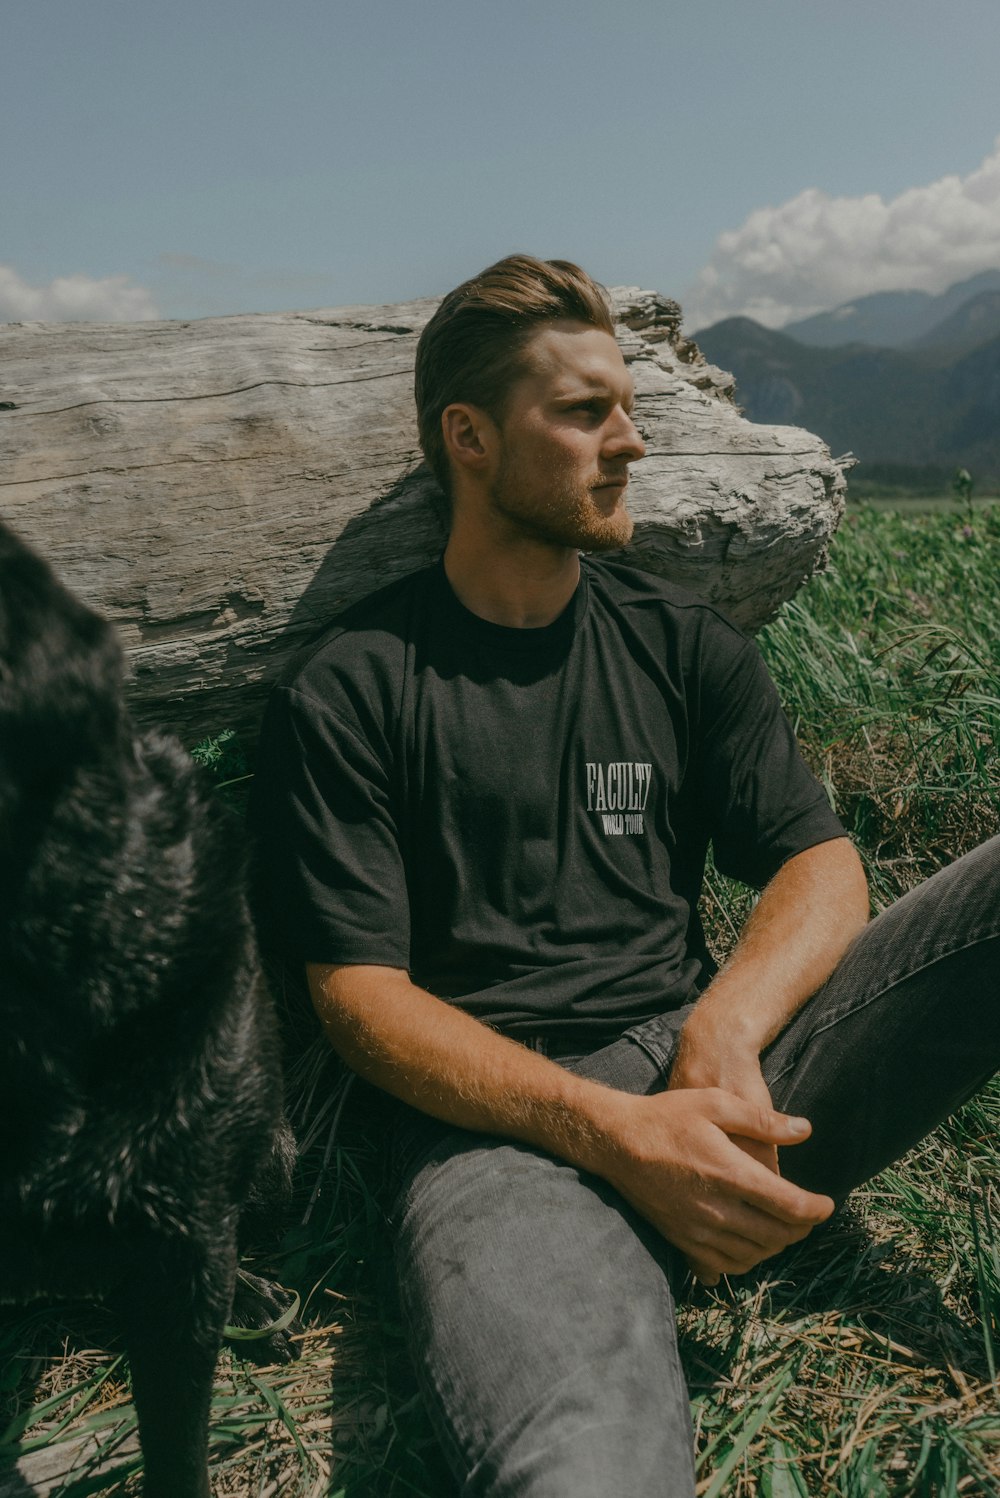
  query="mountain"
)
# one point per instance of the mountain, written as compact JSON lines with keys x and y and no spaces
{"x":916,"y":406}
{"x":890,"y":319}
{"x":975,"y":322}
{"x":887,"y":319}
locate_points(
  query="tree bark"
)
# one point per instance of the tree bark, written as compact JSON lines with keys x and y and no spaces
{"x":219,"y":488}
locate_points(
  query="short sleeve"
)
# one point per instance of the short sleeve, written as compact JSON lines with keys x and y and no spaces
{"x":762,"y":801}
{"x":330,"y":886}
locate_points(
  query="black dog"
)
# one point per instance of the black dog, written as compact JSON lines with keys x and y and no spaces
{"x":139,"y":1056}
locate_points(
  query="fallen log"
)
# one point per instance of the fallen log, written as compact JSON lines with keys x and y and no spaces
{"x":219,"y":488}
{"x":74,"y":1464}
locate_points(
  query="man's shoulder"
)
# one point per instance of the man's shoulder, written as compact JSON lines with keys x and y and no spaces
{"x":646,"y":594}
{"x":371,"y":631}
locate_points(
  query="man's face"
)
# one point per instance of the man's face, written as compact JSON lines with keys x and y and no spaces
{"x":567,"y":438}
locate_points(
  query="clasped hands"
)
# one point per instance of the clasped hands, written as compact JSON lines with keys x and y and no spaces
{"x":702,"y":1160}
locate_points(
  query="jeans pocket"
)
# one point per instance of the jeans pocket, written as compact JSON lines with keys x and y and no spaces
{"x":659,"y":1036}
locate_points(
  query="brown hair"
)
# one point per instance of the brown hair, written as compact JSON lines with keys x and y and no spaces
{"x":472,"y":348}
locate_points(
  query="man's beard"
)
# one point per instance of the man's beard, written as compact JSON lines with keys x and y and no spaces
{"x":565,"y":514}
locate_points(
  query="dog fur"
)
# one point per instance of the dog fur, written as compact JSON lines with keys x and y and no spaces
{"x":139,"y":1053}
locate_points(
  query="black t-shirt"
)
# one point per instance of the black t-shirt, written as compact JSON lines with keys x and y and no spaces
{"x":520,"y":817}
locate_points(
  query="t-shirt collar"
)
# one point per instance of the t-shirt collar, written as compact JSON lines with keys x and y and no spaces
{"x":537,"y":640}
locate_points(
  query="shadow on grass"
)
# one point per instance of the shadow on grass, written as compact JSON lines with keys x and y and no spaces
{"x":841,"y":1275}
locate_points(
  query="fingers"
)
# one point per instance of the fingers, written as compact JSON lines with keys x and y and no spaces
{"x":740,"y":1247}
{"x":753,"y":1121}
{"x":724,"y":1207}
{"x":778,"y":1198}
{"x":759,"y":1231}
{"x":744,"y":1235}
{"x":704,"y":1273}
{"x":766,"y":1154}
{"x":735,"y":1257}
{"x":757,"y":1183}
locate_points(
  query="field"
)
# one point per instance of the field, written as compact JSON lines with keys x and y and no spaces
{"x":863,"y":1363}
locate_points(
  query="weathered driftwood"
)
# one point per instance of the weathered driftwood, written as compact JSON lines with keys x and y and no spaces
{"x":219,"y":488}
{"x":70,"y":1465}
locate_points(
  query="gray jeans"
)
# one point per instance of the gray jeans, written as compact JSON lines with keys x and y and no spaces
{"x":539,"y":1306}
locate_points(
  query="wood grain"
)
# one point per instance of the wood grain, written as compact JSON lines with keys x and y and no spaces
{"x":219,"y":488}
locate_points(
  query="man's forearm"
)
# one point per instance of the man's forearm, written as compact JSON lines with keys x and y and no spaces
{"x":671,"y":1155}
{"x":801,"y":927}
{"x":432,"y":1055}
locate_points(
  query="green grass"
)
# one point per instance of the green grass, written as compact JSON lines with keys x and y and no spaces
{"x":889,"y":666}
{"x":862,"y":1363}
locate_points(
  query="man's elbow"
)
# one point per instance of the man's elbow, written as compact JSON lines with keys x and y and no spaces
{"x":831,"y":875}
{"x":343,"y":993}
{"x":845,"y":883}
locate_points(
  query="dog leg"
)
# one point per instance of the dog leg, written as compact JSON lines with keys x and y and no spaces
{"x":173,"y":1318}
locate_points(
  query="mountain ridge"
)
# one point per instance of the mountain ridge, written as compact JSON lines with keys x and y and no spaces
{"x":889,"y":319}
{"x":914,"y":406}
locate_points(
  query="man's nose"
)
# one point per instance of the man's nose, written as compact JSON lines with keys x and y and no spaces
{"x":624,"y":439}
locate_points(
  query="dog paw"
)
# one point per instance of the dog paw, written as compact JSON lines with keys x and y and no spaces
{"x":264,"y":1322}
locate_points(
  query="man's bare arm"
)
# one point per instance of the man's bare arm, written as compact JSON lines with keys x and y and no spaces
{"x":671,"y":1155}
{"x":802,"y":925}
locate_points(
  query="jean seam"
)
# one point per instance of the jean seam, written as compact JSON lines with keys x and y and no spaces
{"x":893,"y":982}
{"x":455,"y":1447}
{"x":663,"y":1061}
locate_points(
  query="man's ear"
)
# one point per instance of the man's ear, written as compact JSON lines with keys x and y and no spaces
{"x":470,"y":437}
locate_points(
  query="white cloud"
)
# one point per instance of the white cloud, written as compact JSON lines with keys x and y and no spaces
{"x":815,"y":251}
{"x":76,"y":298}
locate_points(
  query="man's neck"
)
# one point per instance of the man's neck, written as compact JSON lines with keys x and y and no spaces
{"x":525,"y":584}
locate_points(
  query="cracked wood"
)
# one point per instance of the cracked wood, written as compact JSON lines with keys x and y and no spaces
{"x":219,"y":488}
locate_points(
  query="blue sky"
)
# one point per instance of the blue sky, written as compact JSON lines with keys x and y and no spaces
{"x":770,"y":156}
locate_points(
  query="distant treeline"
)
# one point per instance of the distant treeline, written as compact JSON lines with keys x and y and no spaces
{"x":903,"y":481}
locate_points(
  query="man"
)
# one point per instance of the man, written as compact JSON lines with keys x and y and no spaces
{"x":485,"y":800}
